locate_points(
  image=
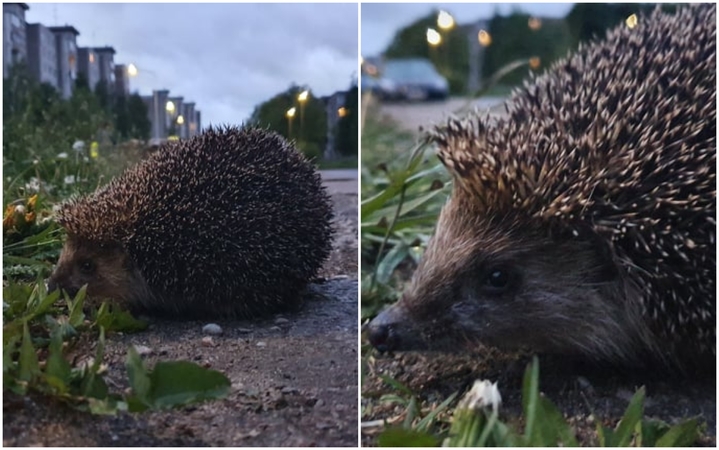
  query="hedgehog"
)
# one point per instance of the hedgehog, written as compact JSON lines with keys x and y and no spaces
{"x":582,"y":223}
{"x":232,"y":222}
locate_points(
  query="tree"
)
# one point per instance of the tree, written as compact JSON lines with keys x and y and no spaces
{"x":347,"y":127}
{"x":310,"y":137}
{"x":513,"y":39}
{"x":139,"y":122}
{"x":450,"y":57}
{"x":591,"y":20}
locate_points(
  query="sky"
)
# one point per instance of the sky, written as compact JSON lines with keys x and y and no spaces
{"x":380,"y":21}
{"x":227,"y":58}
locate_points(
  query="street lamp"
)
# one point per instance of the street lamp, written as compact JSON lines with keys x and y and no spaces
{"x":445,"y":21}
{"x":290,"y":114}
{"x":302,"y":98}
{"x":631,"y":21}
{"x":433,"y":37}
{"x":485,"y":39}
{"x":170,"y":107}
{"x":180,"y":120}
{"x":132,"y":70}
{"x":534,"y":23}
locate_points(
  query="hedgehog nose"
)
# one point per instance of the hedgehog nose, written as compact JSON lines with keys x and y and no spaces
{"x":382,"y":332}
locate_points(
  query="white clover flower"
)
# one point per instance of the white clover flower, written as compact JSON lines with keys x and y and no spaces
{"x":483,"y":394}
{"x":62,"y":155}
{"x":78,"y":146}
{"x":33,"y":185}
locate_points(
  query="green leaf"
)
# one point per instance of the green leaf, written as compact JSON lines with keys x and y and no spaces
{"x":390,"y":261}
{"x":107,"y":406}
{"x":684,"y":434}
{"x":397,"y":385}
{"x":112,"y":318}
{"x":467,"y":428}
{"x":401,"y":437}
{"x":554,"y":429}
{"x":46,"y":302}
{"x":176,"y":383}
{"x":530,"y":397}
{"x":631,"y":420}
{"x":57,"y":367}
{"x":138,"y":376}
{"x":29,"y":367}
{"x":427,"y":421}
{"x":76,"y":315}
{"x":606,"y":436}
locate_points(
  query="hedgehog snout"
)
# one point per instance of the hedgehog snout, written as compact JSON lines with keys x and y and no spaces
{"x":382,"y":331}
{"x":394,"y":330}
{"x":57,"y":281}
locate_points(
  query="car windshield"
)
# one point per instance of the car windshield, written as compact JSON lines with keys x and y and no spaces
{"x":410,"y":70}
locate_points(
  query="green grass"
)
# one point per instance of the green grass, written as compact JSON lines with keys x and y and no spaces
{"x":403,"y":189}
{"x":476,"y":422}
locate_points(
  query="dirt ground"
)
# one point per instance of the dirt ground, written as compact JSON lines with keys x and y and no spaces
{"x":294,"y":376}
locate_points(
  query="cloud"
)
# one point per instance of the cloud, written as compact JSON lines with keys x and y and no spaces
{"x":225,"y":57}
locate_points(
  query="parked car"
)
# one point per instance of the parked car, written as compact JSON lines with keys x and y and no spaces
{"x":381,"y":87}
{"x":413,"y":79}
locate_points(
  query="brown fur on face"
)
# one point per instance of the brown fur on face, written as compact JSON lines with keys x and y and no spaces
{"x":104,"y":267}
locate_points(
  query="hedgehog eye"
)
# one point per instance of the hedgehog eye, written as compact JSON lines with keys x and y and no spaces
{"x":497,"y":280}
{"x":87,"y":267}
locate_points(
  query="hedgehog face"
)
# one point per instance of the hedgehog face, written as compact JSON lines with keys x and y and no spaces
{"x":105,"y":268}
{"x":492,"y":282}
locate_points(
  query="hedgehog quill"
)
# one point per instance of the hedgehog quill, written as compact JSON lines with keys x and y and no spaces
{"x":584,"y":222}
{"x":233,"y":222}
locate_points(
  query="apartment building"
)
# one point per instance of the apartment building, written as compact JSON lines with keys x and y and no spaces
{"x":122,"y":80}
{"x":66,"y":42}
{"x":42,"y":54}
{"x":14,"y":34}
{"x":88,"y":66}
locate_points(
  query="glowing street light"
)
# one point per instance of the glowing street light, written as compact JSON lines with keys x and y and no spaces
{"x":433,"y":37}
{"x":302,"y":98}
{"x":290,"y":114}
{"x":132,"y":70}
{"x":170,"y":107}
{"x":445,"y":21}
{"x":485,"y":39}
{"x":342,"y":111}
{"x":180,"y":120}
{"x":534,"y":23}
{"x":632,"y":21}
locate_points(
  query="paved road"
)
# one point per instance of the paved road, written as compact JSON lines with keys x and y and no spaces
{"x":340,"y":181}
{"x":411,"y":116}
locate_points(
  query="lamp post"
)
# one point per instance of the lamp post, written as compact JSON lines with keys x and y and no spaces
{"x":445,"y":22}
{"x":290,"y":114}
{"x":170,"y":108}
{"x":433,"y":39}
{"x":302,"y":98}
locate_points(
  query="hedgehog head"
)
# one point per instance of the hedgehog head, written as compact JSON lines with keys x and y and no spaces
{"x":95,"y":253}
